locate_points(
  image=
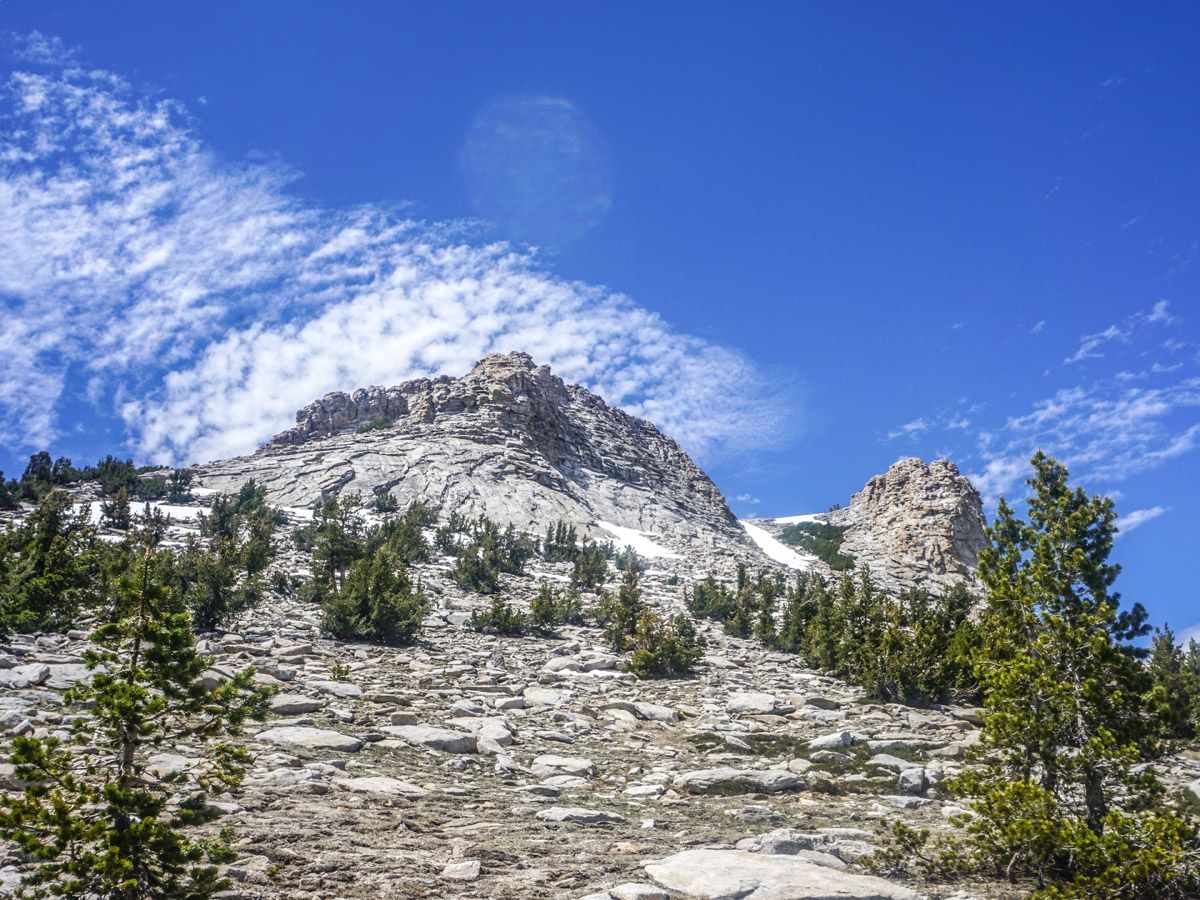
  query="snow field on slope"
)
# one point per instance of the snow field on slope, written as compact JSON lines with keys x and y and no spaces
{"x":640,"y":541}
{"x":776,"y":549}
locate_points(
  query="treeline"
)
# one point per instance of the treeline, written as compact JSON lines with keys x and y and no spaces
{"x":911,"y":648}
{"x":916,"y":647}
{"x":55,"y":567}
{"x":43,"y":474}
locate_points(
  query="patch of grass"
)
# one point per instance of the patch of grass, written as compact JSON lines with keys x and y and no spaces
{"x":376,"y":424}
{"x":766,"y":744}
{"x":822,"y":540}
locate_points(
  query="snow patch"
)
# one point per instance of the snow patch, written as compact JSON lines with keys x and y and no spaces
{"x":136,"y":507}
{"x":640,"y":542}
{"x":776,"y":549}
{"x":796,"y":520}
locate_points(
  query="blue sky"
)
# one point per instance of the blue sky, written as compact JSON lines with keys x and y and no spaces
{"x":805,"y":239}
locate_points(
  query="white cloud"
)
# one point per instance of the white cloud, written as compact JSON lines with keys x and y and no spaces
{"x":909,"y":429}
{"x":207,"y":303}
{"x":747,"y":498}
{"x":1138,"y":517}
{"x":40,"y":49}
{"x":1160,"y":315}
{"x":1104,"y":433}
{"x":1091,"y":344}
{"x":1187,"y":635}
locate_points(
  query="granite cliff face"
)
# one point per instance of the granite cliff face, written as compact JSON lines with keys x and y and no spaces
{"x":916,"y":525}
{"x":509,"y":439}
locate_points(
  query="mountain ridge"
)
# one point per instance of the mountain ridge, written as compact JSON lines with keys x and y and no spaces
{"x":509,"y":439}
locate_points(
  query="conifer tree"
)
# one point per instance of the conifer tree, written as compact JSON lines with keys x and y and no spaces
{"x":97,"y":820}
{"x":1059,"y":793}
{"x":627,"y":610}
{"x":116,"y":511}
{"x":49,"y":567}
{"x":378,"y":602}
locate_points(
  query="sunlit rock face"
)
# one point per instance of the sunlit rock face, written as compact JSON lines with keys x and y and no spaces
{"x":509,"y":440}
{"x":916,"y":525}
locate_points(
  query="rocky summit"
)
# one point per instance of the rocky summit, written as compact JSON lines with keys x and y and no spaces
{"x":916,"y":525}
{"x":509,"y":440}
{"x":512,"y":441}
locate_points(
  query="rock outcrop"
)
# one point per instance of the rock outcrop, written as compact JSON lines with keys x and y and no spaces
{"x":916,"y":525}
{"x":510,"y":440}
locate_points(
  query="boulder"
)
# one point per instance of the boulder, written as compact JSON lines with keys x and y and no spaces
{"x":432,"y":738}
{"x":755,"y":703}
{"x":579,"y":816}
{"x":312,"y":738}
{"x":738,"y":875}
{"x":295,"y":704}
{"x":737,"y":781}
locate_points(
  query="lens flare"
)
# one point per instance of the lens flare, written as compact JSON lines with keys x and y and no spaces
{"x":537,"y":169}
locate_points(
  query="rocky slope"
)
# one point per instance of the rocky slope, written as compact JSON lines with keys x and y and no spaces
{"x":472,"y":766}
{"x":510,"y":440}
{"x":916,"y":525}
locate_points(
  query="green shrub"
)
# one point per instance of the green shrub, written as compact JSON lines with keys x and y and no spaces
{"x":590,"y":569}
{"x":376,"y":424}
{"x":822,"y":540}
{"x":665,"y":650}
{"x":473,"y":572}
{"x":710,"y":599}
{"x":378,"y":602}
{"x":623,"y":614}
{"x":561,"y":543}
{"x":384,"y":502}
{"x":550,"y":608}
{"x":499,"y":618}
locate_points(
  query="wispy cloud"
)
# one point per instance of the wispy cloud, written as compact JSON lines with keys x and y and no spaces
{"x":204,"y":302}
{"x":1104,"y":433}
{"x":1090,"y":345}
{"x":909,"y":429}
{"x":40,"y":49}
{"x":1139,"y":517}
{"x":1106,"y":430}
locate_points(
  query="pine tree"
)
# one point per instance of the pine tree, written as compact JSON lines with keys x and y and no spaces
{"x":97,"y":820}
{"x":1174,"y":695}
{"x":627,"y":610}
{"x":50,"y":567}
{"x":378,"y":602}
{"x":1059,"y":793}
{"x":116,"y":512}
